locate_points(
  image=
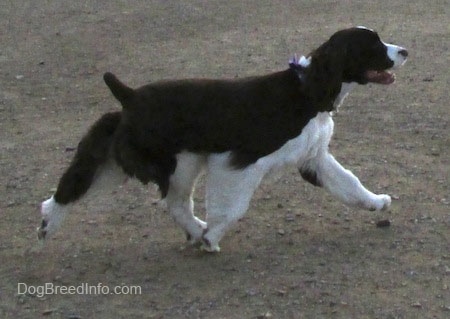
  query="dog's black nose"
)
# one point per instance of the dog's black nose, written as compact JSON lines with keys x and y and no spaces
{"x":403,"y":53}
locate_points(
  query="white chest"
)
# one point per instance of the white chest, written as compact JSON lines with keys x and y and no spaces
{"x":315,"y":136}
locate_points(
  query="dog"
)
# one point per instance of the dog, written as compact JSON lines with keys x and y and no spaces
{"x":237,"y":130}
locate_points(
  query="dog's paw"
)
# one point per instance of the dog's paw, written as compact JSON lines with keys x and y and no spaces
{"x":382,"y":203}
{"x":193,"y":241}
{"x":210,"y":248}
{"x":208,"y":245}
{"x":194,"y":234}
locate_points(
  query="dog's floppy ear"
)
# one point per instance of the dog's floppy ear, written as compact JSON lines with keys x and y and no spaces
{"x":120,"y":91}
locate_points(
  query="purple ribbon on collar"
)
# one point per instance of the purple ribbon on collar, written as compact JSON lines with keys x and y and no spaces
{"x":294,"y":61}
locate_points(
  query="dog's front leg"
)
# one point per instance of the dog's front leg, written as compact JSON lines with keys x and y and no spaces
{"x":341,"y":183}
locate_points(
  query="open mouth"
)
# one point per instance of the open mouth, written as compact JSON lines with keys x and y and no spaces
{"x":380,"y":77}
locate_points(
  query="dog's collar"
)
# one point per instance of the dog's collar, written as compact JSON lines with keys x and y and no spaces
{"x":298,"y":65}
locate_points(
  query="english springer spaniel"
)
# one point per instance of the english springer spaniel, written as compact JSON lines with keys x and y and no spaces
{"x":237,"y":130}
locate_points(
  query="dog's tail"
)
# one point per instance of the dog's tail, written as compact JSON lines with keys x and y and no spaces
{"x":93,"y":150}
{"x":120,"y":91}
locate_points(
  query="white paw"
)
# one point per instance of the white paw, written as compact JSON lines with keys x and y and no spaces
{"x":383,"y":202}
{"x":210,"y":248}
{"x":209,"y":245}
{"x":194,"y":235}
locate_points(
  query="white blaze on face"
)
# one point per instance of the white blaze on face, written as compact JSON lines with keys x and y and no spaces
{"x":397,"y":54}
{"x":364,"y":28}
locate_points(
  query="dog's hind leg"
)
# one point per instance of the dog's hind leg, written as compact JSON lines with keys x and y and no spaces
{"x":93,"y":152}
{"x":228,"y":194}
{"x":179,"y":196}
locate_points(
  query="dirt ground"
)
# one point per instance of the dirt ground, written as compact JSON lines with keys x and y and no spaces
{"x":297,"y":253}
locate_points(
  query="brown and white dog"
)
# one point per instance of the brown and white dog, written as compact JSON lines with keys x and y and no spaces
{"x":237,"y":130}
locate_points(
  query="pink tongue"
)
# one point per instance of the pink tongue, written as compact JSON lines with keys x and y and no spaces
{"x":380,"y":77}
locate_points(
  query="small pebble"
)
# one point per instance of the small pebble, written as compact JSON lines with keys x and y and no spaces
{"x":289,"y":218}
{"x":384,"y":223}
{"x":47,"y":312}
{"x":281,"y":292}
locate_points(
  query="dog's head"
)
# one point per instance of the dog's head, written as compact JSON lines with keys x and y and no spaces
{"x":359,"y":55}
